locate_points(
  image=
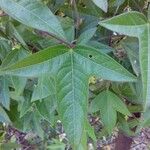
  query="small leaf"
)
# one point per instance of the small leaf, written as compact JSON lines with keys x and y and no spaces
{"x":131,"y":46}
{"x":103,"y":4}
{"x":44,"y":88}
{"x":4,"y":93}
{"x":13,"y":56}
{"x":133,"y":27}
{"x":47,"y":108}
{"x":108,"y":103}
{"x":34,"y":14}
{"x":18,"y":83}
{"x":86,"y":36}
{"x":32,"y":121}
{"x":13,"y":33}
{"x":90,"y":131}
{"x":3,"y":116}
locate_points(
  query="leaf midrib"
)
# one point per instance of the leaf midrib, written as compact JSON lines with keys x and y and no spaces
{"x":148,"y":73}
{"x":73,"y":90}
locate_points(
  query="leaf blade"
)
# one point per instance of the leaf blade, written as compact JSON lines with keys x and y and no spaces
{"x":103,"y":4}
{"x":39,"y":17}
{"x":104,"y":66}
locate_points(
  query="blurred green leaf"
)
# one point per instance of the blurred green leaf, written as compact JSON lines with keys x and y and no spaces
{"x":109,"y":104}
{"x":103,"y":4}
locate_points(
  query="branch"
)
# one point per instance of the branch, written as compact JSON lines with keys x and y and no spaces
{"x":3,"y":14}
{"x":62,"y":41}
{"x":76,"y":15}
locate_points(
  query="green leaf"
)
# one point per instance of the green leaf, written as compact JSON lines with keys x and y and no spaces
{"x":56,"y":146}
{"x":90,"y":131}
{"x":102,"y":47}
{"x":44,"y":88}
{"x":3,"y":116}
{"x":5,"y":47}
{"x":9,"y":146}
{"x":86,"y":36}
{"x":13,"y":56}
{"x":71,"y":69}
{"x":13,"y":33}
{"x":4,"y":92}
{"x":18,"y":83}
{"x":25,"y":104}
{"x":34,"y":14}
{"x":32,"y":121}
{"x":133,"y":27}
{"x":109,"y":104}
{"x":47,"y":108}
{"x":136,"y":26}
{"x":39,"y":63}
{"x":131,"y":47}
{"x":103,"y":4}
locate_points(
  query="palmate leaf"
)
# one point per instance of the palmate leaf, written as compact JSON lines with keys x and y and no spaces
{"x":71,"y":69}
{"x":109,"y":104}
{"x":136,"y":26}
{"x":34,"y":14}
{"x":130,"y":44}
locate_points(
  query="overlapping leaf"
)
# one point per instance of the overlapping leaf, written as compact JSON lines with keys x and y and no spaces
{"x":109,"y":104}
{"x":71,"y":69}
{"x":44,"y":88}
{"x":103,"y":4}
{"x":3,"y":116}
{"x":135,"y":24}
{"x":5,"y":47}
{"x":4,"y":92}
{"x":34,"y":14}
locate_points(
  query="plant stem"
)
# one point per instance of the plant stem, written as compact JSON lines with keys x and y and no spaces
{"x":62,"y":41}
{"x":70,"y":45}
{"x":76,"y":17}
{"x":3,"y":14}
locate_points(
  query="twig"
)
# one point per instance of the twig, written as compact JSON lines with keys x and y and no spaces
{"x":3,"y":14}
{"x":62,"y":41}
{"x":76,"y":16}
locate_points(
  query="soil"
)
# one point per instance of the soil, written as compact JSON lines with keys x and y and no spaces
{"x":141,"y":142}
